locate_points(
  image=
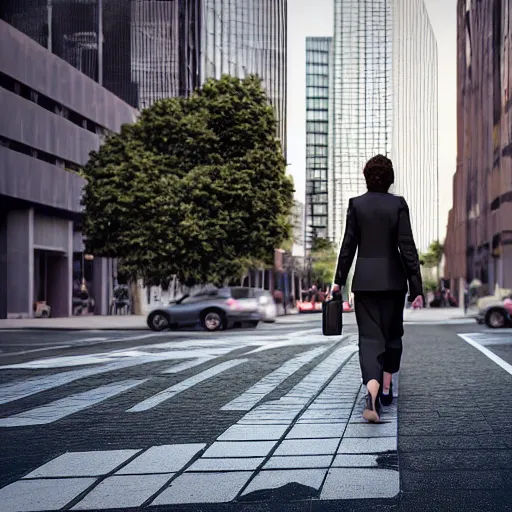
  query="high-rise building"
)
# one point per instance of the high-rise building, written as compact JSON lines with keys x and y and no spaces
{"x":53,"y":116}
{"x":145,"y":50}
{"x":242,"y":37}
{"x":479,"y":238}
{"x":384,"y":100}
{"x":318,"y":56}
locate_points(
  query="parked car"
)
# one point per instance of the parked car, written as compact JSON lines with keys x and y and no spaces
{"x":42,"y":310}
{"x":495,"y":314}
{"x":267,"y":305}
{"x":215,"y":309}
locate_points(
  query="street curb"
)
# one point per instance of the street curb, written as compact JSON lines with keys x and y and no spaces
{"x":75,"y":329}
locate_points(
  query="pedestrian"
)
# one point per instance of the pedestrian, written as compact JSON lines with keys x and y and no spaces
{"x":378,"y":226}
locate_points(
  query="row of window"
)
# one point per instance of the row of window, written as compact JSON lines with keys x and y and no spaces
{"x":10,"y":84}
{"x":316,"y":186}
{"x":318,"y":139}
{"x":36,"y":153}
{"x":317,"y":103}
{"x":317,"y":79}
{"x":317,"y":126}
{"x":317,"y":115}
{"x":317,"y":91}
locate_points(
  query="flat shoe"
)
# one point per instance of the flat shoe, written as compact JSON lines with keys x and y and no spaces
{"x":370,"y":412}
{"x":387,"y":400}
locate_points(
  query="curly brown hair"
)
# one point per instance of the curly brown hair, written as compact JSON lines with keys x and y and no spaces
{"x":379,"y":174}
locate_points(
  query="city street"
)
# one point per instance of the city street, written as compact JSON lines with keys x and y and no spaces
{"x":265,"y":419}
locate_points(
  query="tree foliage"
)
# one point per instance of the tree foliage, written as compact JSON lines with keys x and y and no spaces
{"x":433,"y":256}
{"x":196,"y":188}
{"x":324,"y":260}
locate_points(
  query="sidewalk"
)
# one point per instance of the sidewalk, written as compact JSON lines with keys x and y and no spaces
{"x":138,"y":323}
{"x":436,"y":315}
{"x":80,"y":323}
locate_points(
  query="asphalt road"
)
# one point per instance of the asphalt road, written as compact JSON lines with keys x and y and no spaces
{"x":252,"y":419}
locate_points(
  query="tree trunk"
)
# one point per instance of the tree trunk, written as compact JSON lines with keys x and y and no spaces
{"x":135,"y":298}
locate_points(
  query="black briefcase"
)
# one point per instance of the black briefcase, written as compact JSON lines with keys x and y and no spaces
{"x":332,"y":321}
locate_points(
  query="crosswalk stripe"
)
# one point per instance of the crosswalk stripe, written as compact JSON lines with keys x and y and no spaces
{"x":59,"y":409}
{"x":18,"y":390}
{"x":186,"y":365}
{"x":267,"y":384}
{"x":491,"y":355}
{"x":168,"y":393}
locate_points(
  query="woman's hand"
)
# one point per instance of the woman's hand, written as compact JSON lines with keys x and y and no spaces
{"x":417,"y":303}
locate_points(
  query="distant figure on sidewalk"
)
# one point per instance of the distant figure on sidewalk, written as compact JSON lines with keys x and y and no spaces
{"x":379,"y":227}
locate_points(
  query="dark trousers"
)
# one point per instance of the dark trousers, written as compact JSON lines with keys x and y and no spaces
{"x":380,"y":320}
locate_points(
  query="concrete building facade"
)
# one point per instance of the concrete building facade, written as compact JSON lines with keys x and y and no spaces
{"x":52,"y":117}
{"x":146,"y":50}
{"x":479,"y":238}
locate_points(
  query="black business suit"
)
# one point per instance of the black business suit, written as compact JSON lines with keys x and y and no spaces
{"x":378,"y":226}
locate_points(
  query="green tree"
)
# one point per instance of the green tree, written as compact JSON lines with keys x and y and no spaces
{"x":433,"y":256}
{"x":323,"y":259}
{"x":196,"y":188}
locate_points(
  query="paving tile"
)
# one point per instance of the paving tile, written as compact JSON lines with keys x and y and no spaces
{"x":357,"y":483}
{"x":162,"y":459}
{"x":273,"y":479}
{"x":235,"y":449}
{"x":253,"y":433}
{"x":33,"y":495}
{"x":322,"y":421}
{"x":123,"y":491}
{"x":299,"y":462}
{"x":355,"y":461}
{"x":308,"y":447}
{"x":326,"y":414}
{"x":225,"y":464}
{"x":369,"y":430}
{"x":367,"y":445}
{"x":95,"y":463}
{"x":316,"y":430}
{"x":203,"y":488}
{"x":257,"y":421}
{"x":343,"y":406}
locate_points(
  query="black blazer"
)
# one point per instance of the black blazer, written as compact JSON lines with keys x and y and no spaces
{"x":379,"y":227}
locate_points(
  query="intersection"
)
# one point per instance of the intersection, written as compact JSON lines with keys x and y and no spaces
{"x":247,"y":418}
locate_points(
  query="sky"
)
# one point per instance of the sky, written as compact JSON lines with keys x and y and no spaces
{"x":307,"y":18}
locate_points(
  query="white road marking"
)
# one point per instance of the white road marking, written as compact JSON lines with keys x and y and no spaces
{"x":59,"y":409}
{"x":491,"y":355}
{"x":181,"y":367}
{"x":168,"y":393}
{"x":22,"y":352}
{"x":267,"y":384}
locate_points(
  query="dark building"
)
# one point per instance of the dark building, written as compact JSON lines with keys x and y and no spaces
{"x":141,"y":50}
{"x":52,"y":117}
{"x":145,"y":50}
{"x":479,"y":238}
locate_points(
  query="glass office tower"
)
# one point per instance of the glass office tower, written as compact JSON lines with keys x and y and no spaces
{"x":242,"y":37}
{"x":145,"y":50}
{"x":318,"y":54}
{"x":415,"y":116}
{"x":384,"y":100}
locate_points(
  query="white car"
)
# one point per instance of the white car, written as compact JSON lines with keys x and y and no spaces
{"x":266,"y":305}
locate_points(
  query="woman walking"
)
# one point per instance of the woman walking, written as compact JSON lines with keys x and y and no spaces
{"x":378,"y":226}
